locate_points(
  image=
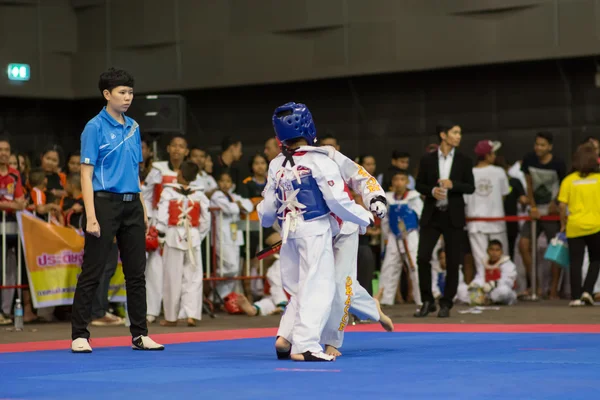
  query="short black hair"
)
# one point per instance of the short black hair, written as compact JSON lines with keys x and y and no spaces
{"x":495,"y":242}
{"x":327,"y":136}
{"x":545,"y":135}
{"x":259,"y":155}
{"x":36,"y":176}
{"x":361,"y":159}
{"x":178,"y":136}
{"x":75,"y":179}
{"x":55,"y":148}
{"x":114,"y":78}
{"x":196,"y":148}
{"x":443,"y":127}
{"x":223,"y":173}
{"x":148,"y":140}
{"x":400,"y":154}
{"x":400,"y":172}
{"x":229,"y":141}
{"x":189,"y":171}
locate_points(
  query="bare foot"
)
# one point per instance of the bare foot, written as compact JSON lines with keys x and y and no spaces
{"x":164,"y":322}
{"x":246,"y":306}
{"x":320,"y":356}
{"x":191,"y":322}
{"x":332,"y":351}
{"x":384,"y":320}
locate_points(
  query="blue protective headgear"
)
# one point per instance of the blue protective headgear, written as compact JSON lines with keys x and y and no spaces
{"x":293,"y":121}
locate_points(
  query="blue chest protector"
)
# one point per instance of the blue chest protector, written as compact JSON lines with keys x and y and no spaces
{"x":309,"y":195}
{"x":402,"y":213}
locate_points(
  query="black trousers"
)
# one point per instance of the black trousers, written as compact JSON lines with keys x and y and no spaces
{"x":125,"y":220}
{"x":576,"y":253}
{"x":100,"y":304}
{"x":440,"y":224}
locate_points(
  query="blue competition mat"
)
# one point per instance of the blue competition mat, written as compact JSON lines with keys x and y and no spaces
{"x":373,"y":366}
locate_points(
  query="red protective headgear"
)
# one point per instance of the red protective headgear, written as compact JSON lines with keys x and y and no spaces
{"x":231,"y":305}
{"x":152,"y":239}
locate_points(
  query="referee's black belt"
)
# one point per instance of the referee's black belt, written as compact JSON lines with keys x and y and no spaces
{"x":118,"y":196}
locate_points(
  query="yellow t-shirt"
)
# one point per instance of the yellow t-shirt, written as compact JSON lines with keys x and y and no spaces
{"x":582,"y":197}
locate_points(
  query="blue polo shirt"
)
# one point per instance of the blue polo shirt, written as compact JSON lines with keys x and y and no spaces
{"x":115,"y":151}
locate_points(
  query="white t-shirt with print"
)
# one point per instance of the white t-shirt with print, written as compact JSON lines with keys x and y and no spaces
{"x":491,"y":184}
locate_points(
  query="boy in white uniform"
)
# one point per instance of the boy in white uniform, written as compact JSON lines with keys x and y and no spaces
{"x":183,"y":221}
{"x":396,"y":253}
{"x":491,"y":185}
{"x":497,"y":281}
{"x":303,"y":189}
{"x":229,"y":238}
{"x":161,"y":174}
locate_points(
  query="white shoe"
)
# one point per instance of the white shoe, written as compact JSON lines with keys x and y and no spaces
{"x":81,"y":345}
{"x":576,"y":303}
{"x":587,"y":299}
{"x":145,"y":343}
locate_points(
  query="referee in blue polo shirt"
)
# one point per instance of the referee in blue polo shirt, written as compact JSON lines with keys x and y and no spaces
{"x":111,"y":152}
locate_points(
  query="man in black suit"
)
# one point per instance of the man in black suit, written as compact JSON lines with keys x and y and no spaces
{"x":444,"y":177}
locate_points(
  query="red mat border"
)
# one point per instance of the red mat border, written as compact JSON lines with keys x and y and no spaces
{"x":191,"y":337}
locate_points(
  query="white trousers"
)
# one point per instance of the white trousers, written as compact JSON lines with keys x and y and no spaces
{"x":228,"y":265}
{"x":182,"y":290}
{"x":8,"y":295}
{"x":154,"y":283}
{"x":501,"y":295}
{"x":479,"y":244}
{"x":391,"y":268}
{"x":266,"y":305}
{"x":350,"y":297}
{"x":308,"y":275}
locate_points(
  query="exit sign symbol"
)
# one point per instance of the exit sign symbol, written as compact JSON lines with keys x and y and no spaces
{"x":18,"y":72}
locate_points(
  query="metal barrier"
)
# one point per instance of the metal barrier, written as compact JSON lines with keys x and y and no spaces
{"x":11,"y":229}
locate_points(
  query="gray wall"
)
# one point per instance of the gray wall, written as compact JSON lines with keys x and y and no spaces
{"x":192,"y":44}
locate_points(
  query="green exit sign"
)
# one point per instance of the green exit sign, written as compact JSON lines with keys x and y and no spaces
{"x":19,"y":72}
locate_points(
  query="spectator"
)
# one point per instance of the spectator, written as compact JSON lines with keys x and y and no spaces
{"x":39,"y":199}
{"x":208,"y":184}
{"x":272,"y":149}
{"x":208,"y":165}
{"x":231,"y":153}
{"x":400,"y":162}
{"x":11,"y":200}
{"x":580,"y":195}
{"x":329,"y":140}
{"x":491,"y":185}
{"x":13,"y":161}
{"x":543,"y":172}
{"x":50,"y":161}
{"x":73,"y":163}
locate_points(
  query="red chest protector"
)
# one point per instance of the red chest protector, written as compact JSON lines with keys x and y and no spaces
{"x":158,"y":188}
{"x":175,"y":212}
{"x":492,"y":274}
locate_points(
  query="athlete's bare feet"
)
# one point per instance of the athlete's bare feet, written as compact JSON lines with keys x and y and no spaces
{"x":191,"y":322}
{"x":164,"y":322}
{"x":308,"y":356}
{"x":332,"y":351}
{"x":246,"y":306}
{"x":384,"y":320}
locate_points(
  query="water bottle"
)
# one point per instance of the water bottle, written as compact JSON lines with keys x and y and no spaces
{"x":18,"y":316}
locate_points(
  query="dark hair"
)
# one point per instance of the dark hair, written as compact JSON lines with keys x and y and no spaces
{"x":5,"y":139}
{"x":223,"y":173}
{"x":400,"y":172}
{"x":443,"y":127}
{"x":501,"y":162}
{"x":114,"y":78}
{"x":55,"y":148}
{"x":196,"y":148}
{"x":75,"y":153}
{"x":148,"y":140}
{"x":327,"y":136}
{"x":400,"y":154}
{"x":75,"y":180}
{"x":440,"y":251}
{"x":178,"y":136}
{"x":189,"y":171}
{"x":494,"y":242}
{"x":229,"y":141}
{"x":545,"y":135}
{"x":36,"y":176}
{"x":361,"y":159}
{"x":585,"y":159}
{"x":259,"y":155}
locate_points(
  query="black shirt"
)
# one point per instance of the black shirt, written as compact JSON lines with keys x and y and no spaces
{"x":545,"y":178}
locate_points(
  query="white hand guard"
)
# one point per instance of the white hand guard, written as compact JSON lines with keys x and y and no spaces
{"x":489,"y":286}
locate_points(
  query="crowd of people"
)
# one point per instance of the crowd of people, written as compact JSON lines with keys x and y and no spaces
{"x":495,"y":258}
